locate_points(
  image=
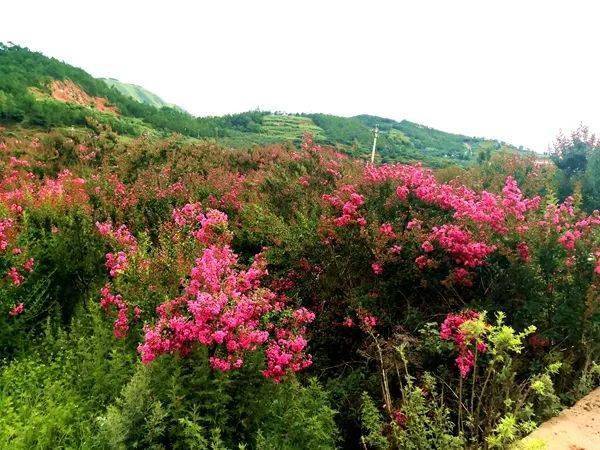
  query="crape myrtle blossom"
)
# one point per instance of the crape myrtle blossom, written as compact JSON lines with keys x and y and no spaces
{"x":452,"y":330}
{"x":459,"y":244}
{"x":347,"y":201}
{"x":14,"y":275}
{"x":223,"y":306}
{"x":108,"y":300}
{"x":117,"y":263}
{"x":523,"y":250}
{"x":120,"y":236}
{"x":482,"y":208}
{"x":17,"y":310}
{"x":469,"y":225}
{"x":28,"y":265}
{"x":6,"y":225}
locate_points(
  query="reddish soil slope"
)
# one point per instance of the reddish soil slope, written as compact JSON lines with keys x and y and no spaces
{"x":68,"y":92}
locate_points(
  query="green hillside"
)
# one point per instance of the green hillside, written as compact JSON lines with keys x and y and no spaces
{"x":36,"y":90}
{"x":138,"y":93}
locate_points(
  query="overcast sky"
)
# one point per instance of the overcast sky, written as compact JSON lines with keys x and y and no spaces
{"x":513,"y":70}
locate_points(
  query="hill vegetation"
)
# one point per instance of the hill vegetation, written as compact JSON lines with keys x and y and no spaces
{"x":138,"y":93}
{"x":28,"y":96}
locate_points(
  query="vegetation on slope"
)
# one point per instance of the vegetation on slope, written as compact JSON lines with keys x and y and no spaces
{"x":138,"y":93}
{"x":28,"y":96}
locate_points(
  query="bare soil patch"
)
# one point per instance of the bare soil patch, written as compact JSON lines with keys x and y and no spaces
{"x":576,"y":428}
{"x":69,"y":92}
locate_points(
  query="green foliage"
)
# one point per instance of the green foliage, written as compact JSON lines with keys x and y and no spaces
{"x":428,"y":424}
{"x":66,"y":391}
{"x":51,"y":394}
{"x":69,"y":257}
{"x":591,"y":182}
{"x":21,"y":70}
{"x":577,"y":158}
{"x":492,"y":406}
{"x":138,"y":93}
{"x":372,"y":423}
{"x":507,"y":431}
{"x":289,"y":127}
{"x":298,"y":418}
{"x":175,"y":403}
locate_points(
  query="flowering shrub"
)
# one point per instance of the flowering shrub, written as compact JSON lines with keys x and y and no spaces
{"x":237,"y":262}
{"x":487,"y":391}
{"x":222,"y":306}
{"x":450,"y":233}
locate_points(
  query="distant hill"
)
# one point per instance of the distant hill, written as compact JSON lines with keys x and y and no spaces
{"x":138,"y":93}
{"x":402,"y":141}
{"x":36,"y":90}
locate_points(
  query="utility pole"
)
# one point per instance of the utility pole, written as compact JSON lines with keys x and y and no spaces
{"x":376,"y":133}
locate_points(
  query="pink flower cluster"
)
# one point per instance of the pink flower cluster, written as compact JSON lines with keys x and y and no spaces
{"x":225,"y":308}
{"x":481,"y":222}
{"x":523,"y":250}
{"x":116,"y":263}
{"x":120,"y":236}
{"x":368,"y":321}
{"x":208,"y":227}
{"x":6,"y":226}
{"x":17,"y":310}
{"x":213,"y":225}
{"x":386,"y":230}
{"x":377,"y":268}
{"x":460,"y":245}
{"x":561,"y":219}
{"x":187,"y":215}
{"x":108,"y":299}
{"x":482,"y":208}
{"x":66,"y":190}
{"x":451,"y":330}
{"x":28,"y":265}
{"x":347,"y":201}
{"x":304,"y":180}
{"x":14,"y":275}
{"x":286,"y":353}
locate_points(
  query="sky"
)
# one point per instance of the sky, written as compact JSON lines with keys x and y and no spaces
{"x":518,"y":71}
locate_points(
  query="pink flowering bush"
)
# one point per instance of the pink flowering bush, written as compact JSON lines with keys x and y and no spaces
{"x":409,"y":227}
{"x":220,"y":306}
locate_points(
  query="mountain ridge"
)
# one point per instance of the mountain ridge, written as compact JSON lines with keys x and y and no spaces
{"x":139,"y":93}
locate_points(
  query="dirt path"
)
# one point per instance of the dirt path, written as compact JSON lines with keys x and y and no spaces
{"x":576,"y":428}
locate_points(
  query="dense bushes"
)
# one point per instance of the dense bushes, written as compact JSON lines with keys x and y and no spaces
{"x":167,"y":294}
{"x":83,"y":389}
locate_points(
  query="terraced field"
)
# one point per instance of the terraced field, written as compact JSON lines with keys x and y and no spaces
{"x":289,"y":127}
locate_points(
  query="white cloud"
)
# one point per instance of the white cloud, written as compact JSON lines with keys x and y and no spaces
{"x":513,"y":70}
